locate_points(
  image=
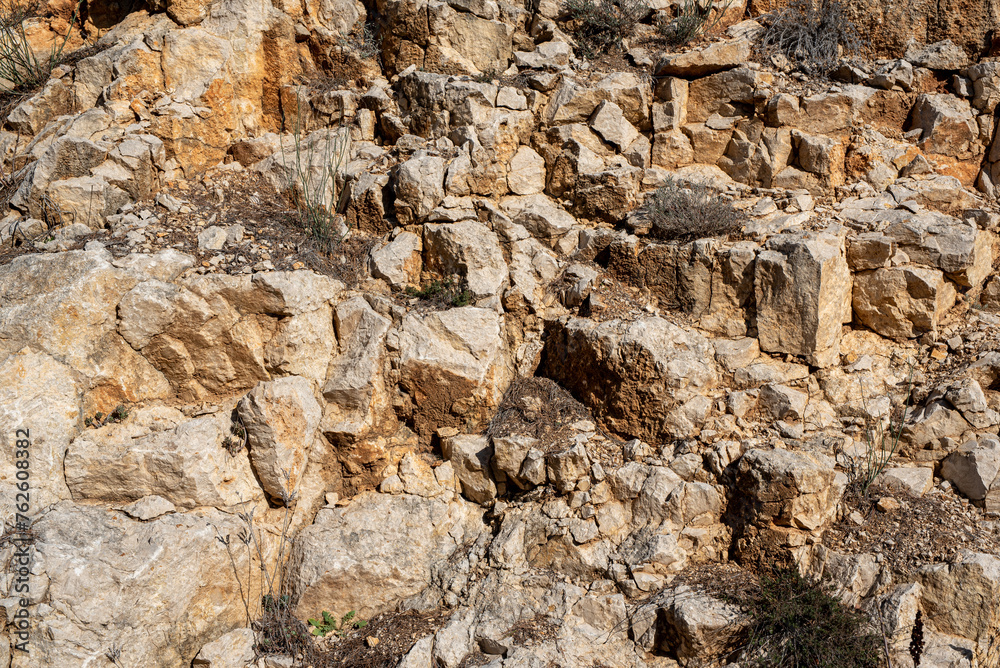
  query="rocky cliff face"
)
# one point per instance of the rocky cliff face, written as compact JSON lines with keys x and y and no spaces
{"x":484,"y":404}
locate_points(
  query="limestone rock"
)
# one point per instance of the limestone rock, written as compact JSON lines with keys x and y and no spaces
{"x":398,"y":262}
{"x":526,"y":172}
{"x":547,"y":55}
{"x":902,"y":302}
{"x":632,"y":374}
{"x":40,"y":396}
{"x":419,"y":188}
{"x":974,"y":467}
{"x":470,"y":249}
{"x":954,"y":246}
{"x":963,"y":598}
{"x":609,"y":122}
{"x":186,"y":464}
{"x":811,"y":273}
{"x":471,"y":455}
{"x":916,"y":481}
{"x":379,"y":549}
{"x":286,"y":293}
{"x":781,"y":493}
{"x":454,"y":366}
{"x":355,"y":387}
{"x":708,"y":60}
{"x":509,"y":454}
{"x":943,"y":55}
{"x":948,"y":125}
{"x":171,"y":573}
{"x":302,"y":345}
{"x":149,"y":508}
{"x":568,"y":467}
{"x":233,"y":650}
{"x":281,"y":417}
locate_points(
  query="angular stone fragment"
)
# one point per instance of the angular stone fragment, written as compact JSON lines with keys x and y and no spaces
{"x":419,"y":188}
{"x":708,"y":60}
{"x":948,"y":126}
{"x":470,"y":455}
{"x":974,"y":467}
{"x":186,"y":464}
{"x":470,"y":249}
{"x":526,"y":172}
{"x":780,"y":495}
{"x":398,"y":262}
{"x":902,"y":302}
{"x":609,"y":122}
{"x":280,"y":417}
{"x":454,"y":366}
{"x":803,"y":288}
{"x":376,"y":551}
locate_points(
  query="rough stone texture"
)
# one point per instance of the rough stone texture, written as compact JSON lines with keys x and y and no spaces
{"x":233,"y":650}
{"x":526,"y":172}
{"x":281,"y":417}
{"x":963,"y":598}
{"x":454,"y":365}
{"x":302,"y":345}
{"x":948,"y":125}
{"x":376,"y":551}
{"x":160,"y":590}
{"x":902,"y":302}
{"x":419,"y":188}
{"x":708,"y":60}
{"x":469,"y":249}
{"x":471,"y":455}
{"x":609,"y":122}
{"x":183,"y":461}
{"x":779,"y":495}
{"x":803,"y":288}
{"x":355,"y":386}
{"x":399,"y":261}
{"x":633,"y":375}
{"x":973,"y":468}
{"x":42,"y":397}
{"x":943,"y":55}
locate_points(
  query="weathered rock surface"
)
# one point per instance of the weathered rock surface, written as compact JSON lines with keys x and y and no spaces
{"x":376,"y":551}
{"x":803,"y":286}
{"x":454,"y":365}
{"x":159,"y":590}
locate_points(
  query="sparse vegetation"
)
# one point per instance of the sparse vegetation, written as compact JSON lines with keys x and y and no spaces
{"x":20,"y":68}
{"x":449,"y":291}
{"x":794,"y":622}
{"x":100,"y":419}
{"x":329,"y":624}
{"x":599,"y":25}
{"x":692,"y":20}
{"x":319,"y":159}
{"x":236,"y":441}
{"x":678,"y":213}
{"x":881,"y":436}
{"x":814,"y":34}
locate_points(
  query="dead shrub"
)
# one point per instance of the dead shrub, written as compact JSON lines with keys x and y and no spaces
{"x":814,"y":34}
{"x":600,"y":25}
{"x":678,"y":213}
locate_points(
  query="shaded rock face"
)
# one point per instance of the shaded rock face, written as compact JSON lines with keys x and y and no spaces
{"x":779,"y":497}
{"x":633,"y":375}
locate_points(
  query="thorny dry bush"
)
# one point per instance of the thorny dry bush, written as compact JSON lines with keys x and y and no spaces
{"x":678,"y":213}
{"x":600,"y":25}
{"x":814,"y":34}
